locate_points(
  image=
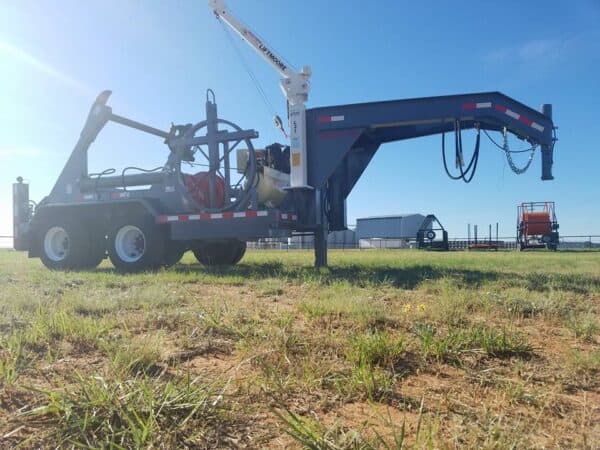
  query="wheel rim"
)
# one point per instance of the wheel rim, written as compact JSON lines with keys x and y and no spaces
{"x":56,"y":244}
{"x":130,"y":244}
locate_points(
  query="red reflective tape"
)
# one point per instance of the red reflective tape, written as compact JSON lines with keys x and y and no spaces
{"x":214,"y":216}
{"x":324,"y":119}
{"x":501,"y":108}
{"x":469,"y":106}
{"x":525,"y":120}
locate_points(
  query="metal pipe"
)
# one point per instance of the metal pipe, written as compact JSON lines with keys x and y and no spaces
{"x":139,"y":179}
{"x":20,"y":214}
{"x":138,"y":126}
{"x":212,"y":129}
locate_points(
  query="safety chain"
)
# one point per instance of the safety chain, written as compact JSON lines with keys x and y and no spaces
{"x":511,"y":163}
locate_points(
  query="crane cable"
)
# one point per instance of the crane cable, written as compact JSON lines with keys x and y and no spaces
{"x":269,"y":106}
{"x":467,"y":174}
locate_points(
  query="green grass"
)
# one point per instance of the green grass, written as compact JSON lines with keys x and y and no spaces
{"x":474,"y":339}
{"x":134,"y":413}
{"x":383,"y":349}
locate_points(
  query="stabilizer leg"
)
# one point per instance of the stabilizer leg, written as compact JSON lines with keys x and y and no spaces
{"x":321,"y":247}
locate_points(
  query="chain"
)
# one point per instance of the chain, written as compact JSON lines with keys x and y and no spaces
{"x":511,"y":163}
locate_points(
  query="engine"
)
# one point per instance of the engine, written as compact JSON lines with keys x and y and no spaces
{"x":273,"y":172}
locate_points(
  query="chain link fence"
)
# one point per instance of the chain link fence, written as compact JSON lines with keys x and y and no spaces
{"x":502,"y":243}
{"x":576,"y":242}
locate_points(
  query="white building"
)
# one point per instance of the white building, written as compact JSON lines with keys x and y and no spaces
{"x":388,"y":231}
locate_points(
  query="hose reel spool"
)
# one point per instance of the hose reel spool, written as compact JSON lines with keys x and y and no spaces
{"x":236,"y":193}
{"x":219,"y":188}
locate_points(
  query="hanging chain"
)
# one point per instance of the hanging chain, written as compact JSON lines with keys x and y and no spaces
{"x":511,"y":163}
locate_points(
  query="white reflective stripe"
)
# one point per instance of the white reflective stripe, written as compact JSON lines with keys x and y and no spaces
{"x":88,"y":197}
{"x":337,"y":118}
{"x":235,"y":215}
{"x":483,"y":105}
{"x":537,"y":126}
{"x":512,"y":114}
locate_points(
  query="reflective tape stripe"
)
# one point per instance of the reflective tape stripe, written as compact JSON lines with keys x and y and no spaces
{"x":212,"y":216}
{"x":509,"y":112}
{"x":327,"y":119}
{"x":537,"y":126}
{"x":117,"y":195}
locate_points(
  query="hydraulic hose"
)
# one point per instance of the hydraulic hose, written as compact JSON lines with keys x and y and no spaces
{"x":467,"y":174}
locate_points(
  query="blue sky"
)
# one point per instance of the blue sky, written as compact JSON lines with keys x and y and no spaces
{"x":159,"y":57}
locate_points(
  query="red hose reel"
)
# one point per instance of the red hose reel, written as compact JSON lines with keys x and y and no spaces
{"x":198,"y":188}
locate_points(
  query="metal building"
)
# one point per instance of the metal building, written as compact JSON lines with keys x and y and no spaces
{"x":336,"y":239}
{"x":402,"y":226}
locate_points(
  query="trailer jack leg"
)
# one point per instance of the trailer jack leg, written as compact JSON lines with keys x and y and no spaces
{"x":321,"y":247}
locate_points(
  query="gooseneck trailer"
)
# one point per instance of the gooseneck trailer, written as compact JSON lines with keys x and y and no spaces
{"x":145,"y":219}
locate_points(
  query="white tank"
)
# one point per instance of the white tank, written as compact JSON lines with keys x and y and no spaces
{"x":269,"y":187}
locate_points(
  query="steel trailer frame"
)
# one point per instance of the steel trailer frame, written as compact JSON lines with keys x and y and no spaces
{"x":341,"y":141}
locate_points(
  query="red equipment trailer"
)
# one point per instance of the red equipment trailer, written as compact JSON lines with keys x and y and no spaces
{"x":537,"y":226}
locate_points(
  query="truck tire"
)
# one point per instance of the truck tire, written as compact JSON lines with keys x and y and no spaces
{"x":220,"y":253}
{"x":66,"y":245}
{"x":174,"y":251}
{"x":96,"y":253}
{"x":239,"y":252}
{"x":136,"y":244}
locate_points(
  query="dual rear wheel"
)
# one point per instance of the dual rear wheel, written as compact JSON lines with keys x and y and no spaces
{"x":133,"y":245}
{"x":69,"y":245}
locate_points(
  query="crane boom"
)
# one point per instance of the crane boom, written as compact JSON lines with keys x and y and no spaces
{"x":294,"y":85}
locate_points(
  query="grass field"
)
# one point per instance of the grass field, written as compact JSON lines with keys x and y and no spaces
{"x":386,"y":349}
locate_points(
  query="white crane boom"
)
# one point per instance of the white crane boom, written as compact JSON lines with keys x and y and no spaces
{"x":295,"y":87}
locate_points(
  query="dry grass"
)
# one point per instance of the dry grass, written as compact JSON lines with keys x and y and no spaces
{"x":383,"y":350}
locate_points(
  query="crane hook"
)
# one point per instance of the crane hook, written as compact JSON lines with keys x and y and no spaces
{"x":279,"y":124}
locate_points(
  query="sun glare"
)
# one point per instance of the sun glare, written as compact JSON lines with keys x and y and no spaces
{"x":10,"y":51}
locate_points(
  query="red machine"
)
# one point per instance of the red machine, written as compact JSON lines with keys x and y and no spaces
{"x":537,"y":226}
